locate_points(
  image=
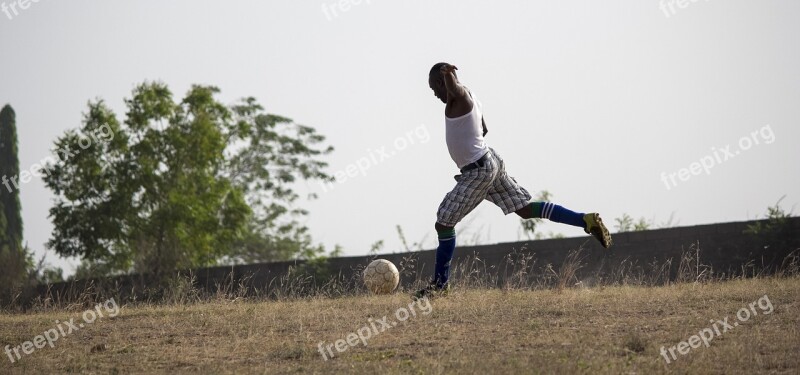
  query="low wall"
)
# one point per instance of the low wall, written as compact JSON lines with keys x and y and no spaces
{"x":723,"y":247}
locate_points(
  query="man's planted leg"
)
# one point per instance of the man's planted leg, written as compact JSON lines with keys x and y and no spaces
{"x":444,"y":257}
{"x":444,"y":254}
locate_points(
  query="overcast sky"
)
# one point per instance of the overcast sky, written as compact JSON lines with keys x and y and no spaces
{"x":600,"y":103}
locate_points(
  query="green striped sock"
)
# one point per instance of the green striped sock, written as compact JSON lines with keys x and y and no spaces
{"x":446,"y":233}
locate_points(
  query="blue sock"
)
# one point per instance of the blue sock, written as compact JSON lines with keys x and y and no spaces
{"x":444,"y":255}
{"x":554,"y":212}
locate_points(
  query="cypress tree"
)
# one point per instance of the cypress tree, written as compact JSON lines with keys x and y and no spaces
{"x":9,"y":167}
{"x":13,"y":261}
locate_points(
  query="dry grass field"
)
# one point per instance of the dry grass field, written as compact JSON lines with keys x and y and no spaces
{"x":581,"y":330}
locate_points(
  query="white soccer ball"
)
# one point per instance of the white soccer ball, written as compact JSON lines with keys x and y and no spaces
{"x":381,"y":276}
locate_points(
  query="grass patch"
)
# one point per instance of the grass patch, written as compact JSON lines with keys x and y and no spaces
{"x":617,"y":329}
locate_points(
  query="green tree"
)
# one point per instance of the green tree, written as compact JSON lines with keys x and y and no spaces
{"x":9,"y":169}
{"x":178,"y":184}
{"x":14,"y":261}
{"x":777,"y":230}
{"x":273,"y":153}
{"x":626,"y":223}
{"x":43,"y":273}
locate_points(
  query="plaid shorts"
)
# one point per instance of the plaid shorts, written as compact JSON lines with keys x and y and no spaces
{"x":490,"y":182}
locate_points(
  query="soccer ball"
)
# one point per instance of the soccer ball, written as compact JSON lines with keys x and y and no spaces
{"x":381,"y":276}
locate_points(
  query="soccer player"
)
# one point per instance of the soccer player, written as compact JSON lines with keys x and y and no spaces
{"x":483,"y":176}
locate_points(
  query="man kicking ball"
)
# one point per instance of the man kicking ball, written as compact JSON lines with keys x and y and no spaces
{"x":483,"y":176}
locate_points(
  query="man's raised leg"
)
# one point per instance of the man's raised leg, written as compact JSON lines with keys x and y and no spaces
{"x":591,"y":222}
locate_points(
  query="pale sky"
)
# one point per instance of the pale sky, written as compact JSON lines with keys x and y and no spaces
{"x":590,"y":100}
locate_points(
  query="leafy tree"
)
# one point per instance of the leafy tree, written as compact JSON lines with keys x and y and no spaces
{"x":375,"y":248}
{"x":641,"y":225}
{"x":9,"y":170}
{"x":42,"y":273}
{"x":777,"y":231}
{"x":627,"y":224}
{"x":50,"y":275}
{"x":180,"y":184}
{"x":624,"y":223}
{"x":14,"y":260}
{"x":274,"y":153}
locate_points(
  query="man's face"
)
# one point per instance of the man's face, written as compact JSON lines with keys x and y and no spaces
{"x":437,"y":85}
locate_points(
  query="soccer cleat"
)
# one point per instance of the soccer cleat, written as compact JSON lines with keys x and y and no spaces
{"x":595,"y":227}
{"x":431,"y":291}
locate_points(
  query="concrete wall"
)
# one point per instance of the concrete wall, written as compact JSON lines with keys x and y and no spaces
{"x":724,"y":247}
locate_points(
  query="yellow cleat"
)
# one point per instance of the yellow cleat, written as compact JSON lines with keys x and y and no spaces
{"x":595,"y":227}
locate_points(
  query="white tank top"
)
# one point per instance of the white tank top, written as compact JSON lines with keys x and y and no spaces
{"x":464,"y":135}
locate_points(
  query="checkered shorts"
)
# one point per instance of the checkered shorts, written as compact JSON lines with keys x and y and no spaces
{"x":490,"y":182}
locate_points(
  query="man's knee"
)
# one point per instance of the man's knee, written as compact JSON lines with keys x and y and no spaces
{"x":441,"y":227}
{"x":525,"y":212}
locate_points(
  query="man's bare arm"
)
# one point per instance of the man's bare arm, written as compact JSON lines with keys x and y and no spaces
{"x":454,"y":89}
